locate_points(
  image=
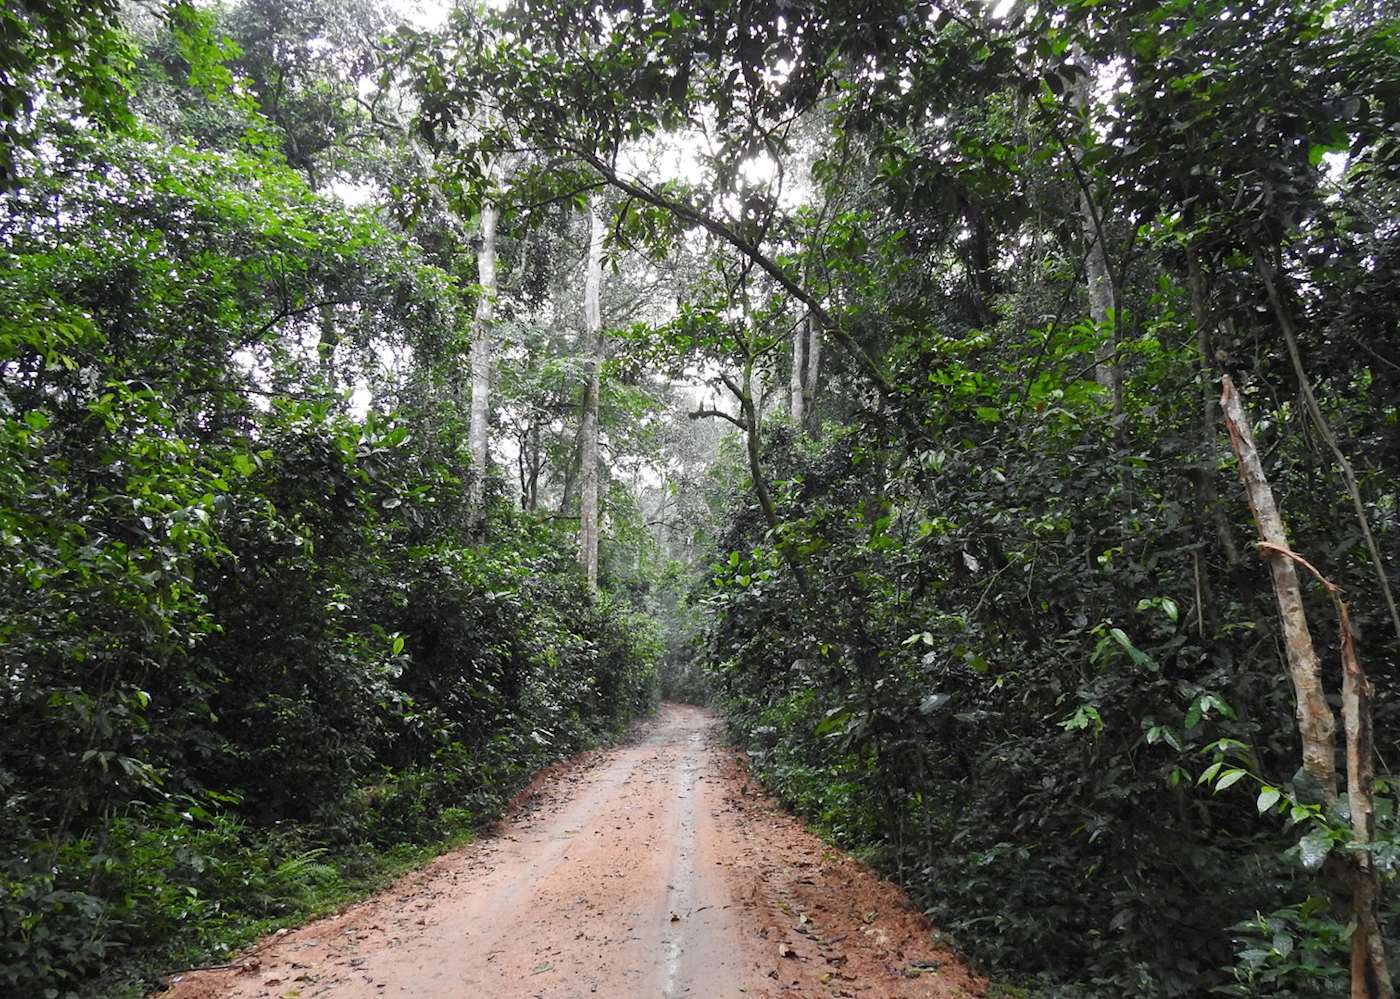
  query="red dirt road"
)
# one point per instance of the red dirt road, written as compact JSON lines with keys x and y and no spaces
{"x":652,"y":870}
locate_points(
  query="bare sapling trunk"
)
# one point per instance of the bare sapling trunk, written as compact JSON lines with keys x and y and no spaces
{"x":593,"y":346}
{"x":797,"y":389}
{"x":481,"y":355}
{"x":1316,"y":723}
{"x":1370,"y":976}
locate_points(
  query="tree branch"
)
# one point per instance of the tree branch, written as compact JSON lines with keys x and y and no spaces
{"x":721,"y":414}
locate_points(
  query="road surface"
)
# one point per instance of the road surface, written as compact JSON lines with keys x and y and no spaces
{"x":656,"y":869}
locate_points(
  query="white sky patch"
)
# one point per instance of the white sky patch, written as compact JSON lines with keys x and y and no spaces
{"x":426,"y":15}
{"x":759,"y":169}
{"x":356,"y":195}
{"x":359,"y":401}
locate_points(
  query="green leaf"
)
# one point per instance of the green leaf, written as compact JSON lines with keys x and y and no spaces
{"x":1230,"y":777}
{"x":834,"y":721}
{"x":1086,"y":716}
{"x":1138,"y":657}
{"x":1268,"y":797}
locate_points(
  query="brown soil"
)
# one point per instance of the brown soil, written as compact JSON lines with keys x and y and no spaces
{"x":653,"y":870}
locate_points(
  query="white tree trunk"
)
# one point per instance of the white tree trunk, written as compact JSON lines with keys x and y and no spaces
{"x":593,"y":345}
{"x":1106,"y":372}
{"x":796,"y":389}
{"x":1093,"y":226}
{"x":814,"y":363}
{"x":481,"y":354}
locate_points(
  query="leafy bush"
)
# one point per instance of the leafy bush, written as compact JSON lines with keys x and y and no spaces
{"x":1010,"y":715}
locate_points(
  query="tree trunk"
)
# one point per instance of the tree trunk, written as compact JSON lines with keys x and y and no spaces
{"x":593,"y":345}
{"x":532,"y":492}
{"x":1107,"y":371}
{"x":330,"y":340}
{"x":797,"y":389}
{"x":1370,"y":977}
{"x":814,"y":364}
{"x":749,"y":420}
{"x":1316,"y":723}
{"x":481,"y":355}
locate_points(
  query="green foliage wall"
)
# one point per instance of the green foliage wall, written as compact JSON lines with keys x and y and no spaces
{"x":1013,"y":685}
{"x":247,"y":640}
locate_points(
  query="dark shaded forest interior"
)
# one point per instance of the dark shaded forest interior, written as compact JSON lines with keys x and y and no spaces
{"x":991,"y":409}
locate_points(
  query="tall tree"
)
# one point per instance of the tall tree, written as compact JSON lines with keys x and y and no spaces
{"x":797,"y":384}
{"x":482,"y":352}
{"x":593,"y":347}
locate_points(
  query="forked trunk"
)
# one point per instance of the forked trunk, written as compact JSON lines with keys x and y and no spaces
{"x":1370,"y":976}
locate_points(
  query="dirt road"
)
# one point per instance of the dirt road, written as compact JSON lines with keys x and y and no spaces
{"x":652,"y":870}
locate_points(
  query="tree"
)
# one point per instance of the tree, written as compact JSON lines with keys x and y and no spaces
{"x":482,"y":351}
{"x":594,"y":352}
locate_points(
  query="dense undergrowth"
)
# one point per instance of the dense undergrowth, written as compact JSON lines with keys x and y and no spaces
{"x":1013,"y":687}
{"x":308,"y":689}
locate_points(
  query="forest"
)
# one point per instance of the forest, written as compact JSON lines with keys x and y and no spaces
{"x":991,"y":409}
